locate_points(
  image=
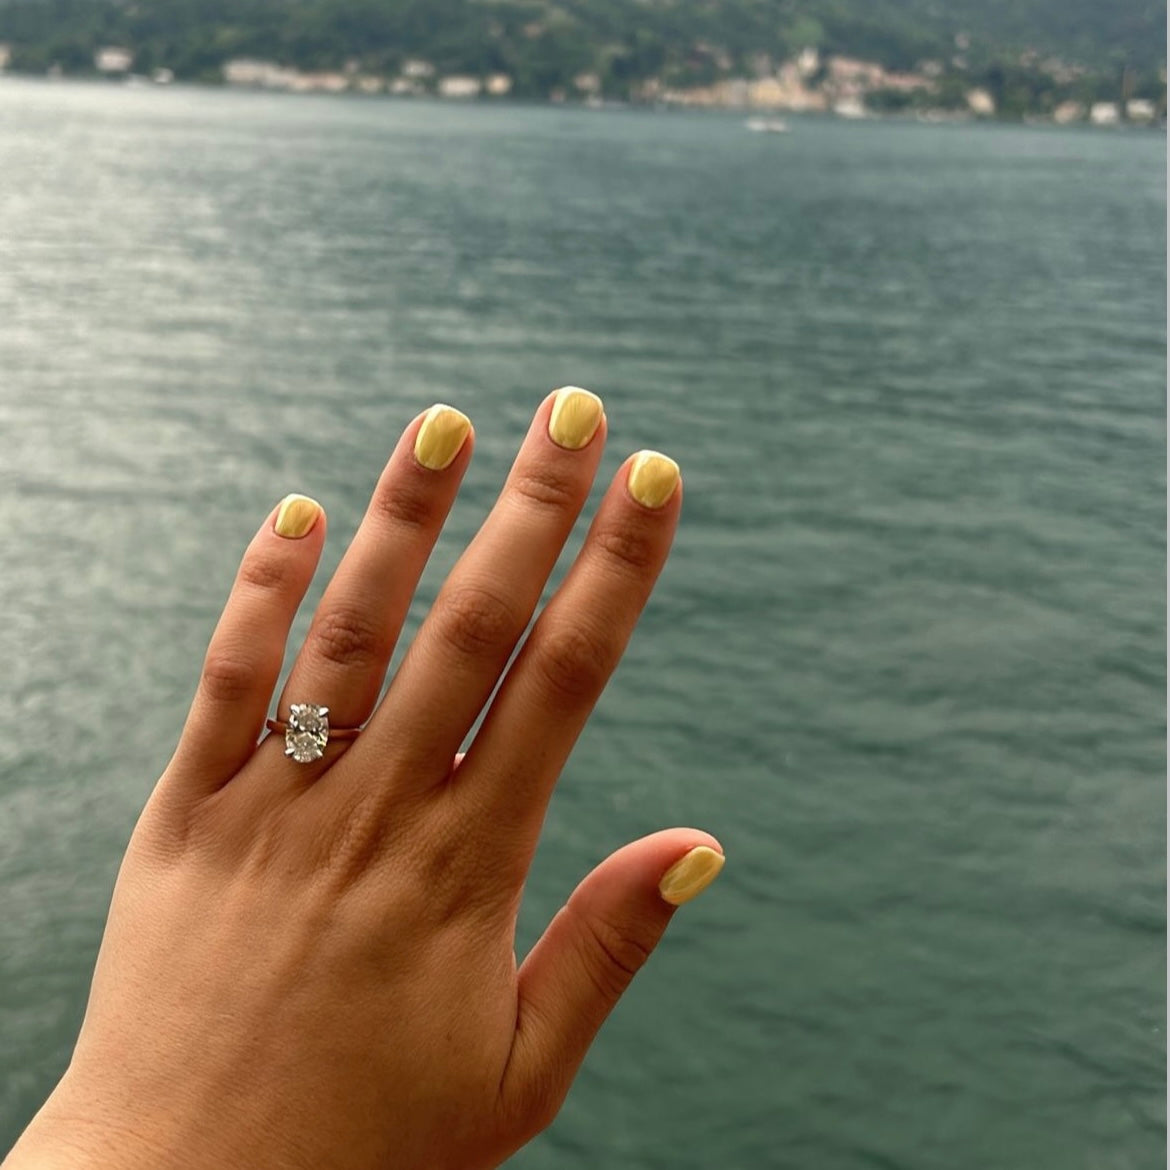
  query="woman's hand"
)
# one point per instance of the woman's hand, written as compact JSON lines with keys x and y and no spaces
{"x":311,"y":964}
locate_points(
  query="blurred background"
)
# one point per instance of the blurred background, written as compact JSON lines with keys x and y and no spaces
{"x":888,"y":279}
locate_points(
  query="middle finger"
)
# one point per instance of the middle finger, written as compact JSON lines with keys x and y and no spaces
{"x":485,"y":605}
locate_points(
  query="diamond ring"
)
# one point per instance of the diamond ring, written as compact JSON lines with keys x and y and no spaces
{"x":307,"y":731}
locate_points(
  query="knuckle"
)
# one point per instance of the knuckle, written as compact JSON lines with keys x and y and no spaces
{"x":404,"y":506}
{"x":544,"y":485}
{"x":474,"y":620}
{"x":351,"y":842}
{"x":227,"y":678}
{"x":615,"y":954}
{"x":348,"y":638}
{"x":464,"y":883}
{"x":264,"y":573}
{"x":629,"y":548}
{"x":458,"y":890}
{"x":574,"y":661}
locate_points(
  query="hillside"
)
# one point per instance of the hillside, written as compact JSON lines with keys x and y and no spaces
{"x":542,"y":45}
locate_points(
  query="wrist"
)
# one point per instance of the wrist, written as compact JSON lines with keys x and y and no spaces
{"x":66,"y":1137}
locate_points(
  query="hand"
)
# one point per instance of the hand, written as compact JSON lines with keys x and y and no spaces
{"x":312,"y":964}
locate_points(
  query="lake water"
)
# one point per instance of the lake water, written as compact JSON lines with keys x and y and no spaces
{"x":907,"y":661}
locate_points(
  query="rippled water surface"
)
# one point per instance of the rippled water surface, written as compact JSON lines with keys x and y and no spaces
{"x":906,"y":662}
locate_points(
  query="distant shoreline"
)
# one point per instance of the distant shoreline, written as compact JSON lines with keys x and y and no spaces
{"x":136,"y":83}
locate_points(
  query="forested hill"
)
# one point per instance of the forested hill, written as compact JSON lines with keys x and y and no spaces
{"x":543,"y":43}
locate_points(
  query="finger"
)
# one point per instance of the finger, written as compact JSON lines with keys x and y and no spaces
{"x":585,"y":960}
{"x":247,"y":648}
{"x":487,"y":601}
{"x":353,"y":633}
{"x":573,"y":648}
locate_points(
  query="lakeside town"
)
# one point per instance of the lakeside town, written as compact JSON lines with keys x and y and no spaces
{"x":844,"y":86}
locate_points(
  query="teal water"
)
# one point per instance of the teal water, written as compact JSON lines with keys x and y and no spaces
{"x":907,"y":661}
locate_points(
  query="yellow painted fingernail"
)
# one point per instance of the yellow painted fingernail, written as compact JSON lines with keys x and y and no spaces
{"x":652,"y":479}
{"x":296,"y":517}
{"x":576,"y":415}
{"x":690,"y":875}
{"x":441,"y":436}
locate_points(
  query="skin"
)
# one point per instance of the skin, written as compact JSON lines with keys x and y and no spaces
{"x":313,"y":965}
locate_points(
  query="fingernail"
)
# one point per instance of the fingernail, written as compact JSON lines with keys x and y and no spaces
{"x":690,"y":875}
{"x":442,"y":434}
{"x":296,"y":517}
{"x":576,"y":415}
{"x":652,"y":479}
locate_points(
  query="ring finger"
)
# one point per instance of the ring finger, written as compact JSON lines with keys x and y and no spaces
{"x":353,"y":633}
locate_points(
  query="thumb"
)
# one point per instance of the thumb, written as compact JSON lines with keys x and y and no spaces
{"x":576,"y":973}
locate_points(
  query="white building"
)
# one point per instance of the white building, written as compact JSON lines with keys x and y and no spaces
{"x":1104,"y":114}
{"x":980,"y":103}
{"x":417,"y":69}
{"x":499,"y":85}
{"x":319,"y":82}
{"x":112,"y":59}
{"x":1140,"y":110}
{"x":266,"y":74}
{"x":808,"y":62}
{"x":459,"y":87}
{"x":849,"y":107}
{"x":1068,"y":112}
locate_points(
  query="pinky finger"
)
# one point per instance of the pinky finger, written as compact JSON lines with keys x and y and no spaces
{"x":244,"y":657}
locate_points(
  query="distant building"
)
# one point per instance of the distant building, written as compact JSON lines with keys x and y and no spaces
{"x":587,"y":82}
{"x":499,"y":85}
{"x":263,"y":74}
{"x":404,"y":87}
{"x":459,"y":87}
{"x":417,"y":70}
{"x":368,"y":84}
{"x":5,"y":56}
{"x":1068,"y":112}
{"x":1104,"y":114}
{"x":318,"y":82}
{"x":905,"y":82}
{"x":980,"y":103}
{"x":162,"y":76}
{"x":808,"y":62}
{"x":795,"y":92}
{"x":849,"y":107}
{"x":112,"y":59}
{"x":1140,"y":110}
{"x":767,"y":93}
{"x":849,"y":69}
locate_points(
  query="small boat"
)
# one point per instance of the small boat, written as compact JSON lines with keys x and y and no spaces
{"x":767,"y":125}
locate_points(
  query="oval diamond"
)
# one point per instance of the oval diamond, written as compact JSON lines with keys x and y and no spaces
{"x":307,"y":732}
